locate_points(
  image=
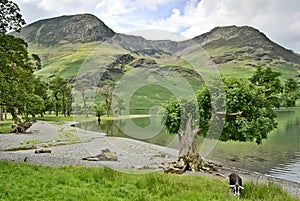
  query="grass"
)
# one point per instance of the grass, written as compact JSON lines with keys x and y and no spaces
{"x":22,"y":181}
{"x":58,"y":120}
{"x":5,"y":126}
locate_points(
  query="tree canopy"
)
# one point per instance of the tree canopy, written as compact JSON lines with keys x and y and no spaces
{"x":250,"y":112}
{"x":250,"y":108}
{"x":10,"y":17}
{"x":17,"y":81}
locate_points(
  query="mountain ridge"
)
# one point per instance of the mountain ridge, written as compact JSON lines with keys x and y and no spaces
{"x":231,"y":47}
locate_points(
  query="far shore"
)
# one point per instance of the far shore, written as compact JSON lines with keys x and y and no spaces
{"x":70,"y":145}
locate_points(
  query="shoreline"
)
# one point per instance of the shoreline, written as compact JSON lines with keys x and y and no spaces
{"x":70,"y":145}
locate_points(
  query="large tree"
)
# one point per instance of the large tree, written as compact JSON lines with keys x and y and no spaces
{"x":16,"y":75}
{"x":16,"y":68}
{"x":290,"y":93}
{"x":61,"y":91}
{"x":250,"y":115}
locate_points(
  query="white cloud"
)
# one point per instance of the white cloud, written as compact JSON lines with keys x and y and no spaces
{"x":67,"y":6}
{"x":152,"y":4}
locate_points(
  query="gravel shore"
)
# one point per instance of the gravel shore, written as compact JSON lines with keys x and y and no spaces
{"x":70,"y":145}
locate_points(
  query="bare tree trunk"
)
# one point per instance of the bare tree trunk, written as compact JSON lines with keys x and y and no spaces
{"x":84,"y":103}
{"x":189,"y":157}
{"x":107,"y":105}
{"x":1,"y":114}
{"x":5,"y":114}
{"x":16,"y":116}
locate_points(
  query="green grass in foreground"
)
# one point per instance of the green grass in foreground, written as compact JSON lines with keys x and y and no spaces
{"x":20,"y":181}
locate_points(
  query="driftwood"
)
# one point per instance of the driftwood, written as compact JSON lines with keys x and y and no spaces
{"x":106,"y":155}
{"x":40,"y":150}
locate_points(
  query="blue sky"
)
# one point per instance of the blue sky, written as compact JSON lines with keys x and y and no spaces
{"x":279,"y":20}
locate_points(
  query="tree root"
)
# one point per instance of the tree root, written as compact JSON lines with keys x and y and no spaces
{"x":180,"y":166}
{"x":22,"y":127}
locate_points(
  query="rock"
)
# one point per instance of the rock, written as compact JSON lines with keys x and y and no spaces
{"x":106,"y":155}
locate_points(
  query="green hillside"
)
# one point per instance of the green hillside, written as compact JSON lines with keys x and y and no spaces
{"x":81,"y":48}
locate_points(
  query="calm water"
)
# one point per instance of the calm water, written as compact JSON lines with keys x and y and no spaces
{"x":279,"y":155}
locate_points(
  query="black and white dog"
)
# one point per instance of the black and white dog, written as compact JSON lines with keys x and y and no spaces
{"x":235,"y":184}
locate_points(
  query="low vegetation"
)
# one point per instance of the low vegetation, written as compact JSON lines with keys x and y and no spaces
{"x":30,"y":182}
{"x":5,"y":126}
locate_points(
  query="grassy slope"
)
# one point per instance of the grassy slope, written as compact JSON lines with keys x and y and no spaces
{"x":70,"y":59}
{"x":30,"y":182}
{"x":67,"y":60}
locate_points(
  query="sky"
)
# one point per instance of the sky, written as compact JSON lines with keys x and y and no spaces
{"x":278,"y":19}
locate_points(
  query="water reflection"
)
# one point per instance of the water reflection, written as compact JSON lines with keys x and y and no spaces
{"x":276,"y":156}
{"x":289,"y":170}
{"x":115,"y":128}
{"x":279,"y":155}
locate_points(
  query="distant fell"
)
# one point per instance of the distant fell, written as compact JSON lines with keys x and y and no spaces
{"x":247,"y":43}
{"x":66,"y":29}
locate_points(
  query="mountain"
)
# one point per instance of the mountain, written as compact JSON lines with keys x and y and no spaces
{"x":66,"y":29}
{"x":64,"y":44}
{"x":249,"y":43}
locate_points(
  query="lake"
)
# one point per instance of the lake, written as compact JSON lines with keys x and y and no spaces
{"x":278,"y":155}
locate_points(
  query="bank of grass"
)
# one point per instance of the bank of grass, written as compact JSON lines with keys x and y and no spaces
{"x":20,"y":181}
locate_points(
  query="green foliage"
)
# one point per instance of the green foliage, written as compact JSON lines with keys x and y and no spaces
{"x":31,"y":182}
{"x":250,"y":114}
{"x":37,"y":61}
{"x":10,"y":17}
{"x":290,"y":93}
{"x":100,"y":110}
{"x":18,"y":90}
{"x":250,"y":107}
{"x":62,"y":93}
{"x":17,"y":85}
{"x":171,"y":116}
{"x":269,"y":81}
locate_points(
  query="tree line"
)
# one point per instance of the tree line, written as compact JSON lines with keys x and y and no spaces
{"x":22,"y":93}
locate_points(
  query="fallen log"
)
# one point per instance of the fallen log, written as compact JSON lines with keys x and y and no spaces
{"x":106,"y":155}
{"x":42,"y":150}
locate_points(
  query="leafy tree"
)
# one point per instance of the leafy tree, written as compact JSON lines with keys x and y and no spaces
{"x":106,"y":91}
{"x":16,"y":75}
{"x":62,"y":94}
{"x":250,"y":114}
{"x":40,"y":89}
{"x":270,"y":82}
{"x":81,"y":87}
{"x":290,"y":93}
{"x":69,"y":97}
{"x":100,"y":110}
{"x":34,"y":105}
{"x":10,"y":17}
{"x":37,"y":61}
{"x":16,"y":68}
